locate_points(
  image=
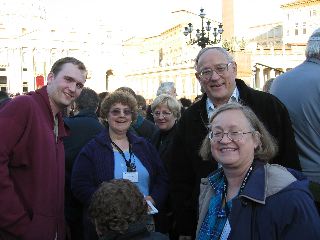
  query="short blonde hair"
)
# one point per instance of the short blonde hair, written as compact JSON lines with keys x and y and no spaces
{"x":172,"y":103}
{"x":267,"y":148}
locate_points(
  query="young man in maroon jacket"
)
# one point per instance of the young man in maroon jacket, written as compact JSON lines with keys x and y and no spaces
{"x":32,"y":156}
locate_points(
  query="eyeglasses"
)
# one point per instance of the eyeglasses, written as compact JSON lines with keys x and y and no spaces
{"x":164,"y":114}
{"x":117,"y":112}
{"x":233,"y":136}
{"x":220,"y":69}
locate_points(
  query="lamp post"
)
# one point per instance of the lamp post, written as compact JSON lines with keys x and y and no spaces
{"x":203,"y":35}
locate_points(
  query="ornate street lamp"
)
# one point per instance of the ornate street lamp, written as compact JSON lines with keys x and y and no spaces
{"x":203,"y":35}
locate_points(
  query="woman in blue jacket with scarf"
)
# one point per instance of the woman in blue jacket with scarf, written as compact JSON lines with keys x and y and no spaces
{"x":115,"y":154}
{"x":248,"y":198}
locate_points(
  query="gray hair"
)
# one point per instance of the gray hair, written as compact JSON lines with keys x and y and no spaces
{"x":313,"y":45}
{"x":165,"y":88}
{"x":172,"y":103}
{"x":267,"y":148}
{"x":220,"y":49}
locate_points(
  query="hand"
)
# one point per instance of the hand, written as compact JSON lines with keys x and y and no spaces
{"x":185,"y":237}
{"x":150,"y":199}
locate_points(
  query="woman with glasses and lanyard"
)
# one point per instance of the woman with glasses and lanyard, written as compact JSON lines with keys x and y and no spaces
{"x":247,"y":198}
{"x":166,"y":111}
{"x":118,"y":154}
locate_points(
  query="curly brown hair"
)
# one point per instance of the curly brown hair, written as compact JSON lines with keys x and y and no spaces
{"x":116,"y":205}
{"x":122,"y":97}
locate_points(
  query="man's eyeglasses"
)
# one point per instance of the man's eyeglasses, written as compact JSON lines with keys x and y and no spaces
{"x":117,"y":112}
{"x":220,"y":69}
{"x":164,"y":114}
{"x":233,"y":136}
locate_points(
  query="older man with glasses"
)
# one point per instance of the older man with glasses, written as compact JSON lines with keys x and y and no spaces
{"x":216,"y":72}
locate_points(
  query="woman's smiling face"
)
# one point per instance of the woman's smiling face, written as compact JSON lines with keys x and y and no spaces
{"x":231,"y":153}
{"x":119,"y":118}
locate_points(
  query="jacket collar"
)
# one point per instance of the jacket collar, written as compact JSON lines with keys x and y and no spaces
{"x":314,"y":60}
{"x":86,"y":113}
{"x":200,"y":107}
{"x":104,"y":135}
{"x":255,"y":188}
{"x":266,"y":180}
{"x":42,"y":92}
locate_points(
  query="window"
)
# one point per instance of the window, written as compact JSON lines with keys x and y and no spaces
{"x":3,"y":79}
{"x":25,"y":87}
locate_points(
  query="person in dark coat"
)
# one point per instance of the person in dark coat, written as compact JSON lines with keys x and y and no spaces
{"x":117,"y":153}
{"x":119,"y":212}
{"x":166,"y":111}
{"x":248,"y":198}
{"x":32,"y":166}
{"x":84,"y":125}
{"x":216,"y":72}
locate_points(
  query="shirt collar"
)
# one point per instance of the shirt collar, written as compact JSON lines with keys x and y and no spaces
{"x":210,"y":107}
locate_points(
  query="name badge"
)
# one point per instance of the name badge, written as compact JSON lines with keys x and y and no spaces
{"x":131,"y":176}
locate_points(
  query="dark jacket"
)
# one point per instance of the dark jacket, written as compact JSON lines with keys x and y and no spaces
{"x":135,"y":232}
{"x":95,"y":164}
{"x":83,"y":127}
{"x":31,"y":169}
{"x":187,"y":167}
{"x":275,"y":204}
{"x":163,"y":141}
{"x":144,"y":128}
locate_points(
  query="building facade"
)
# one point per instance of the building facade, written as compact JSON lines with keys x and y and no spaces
{"x":272,"y":48}
{"x":164,"y":57}
{"x":30,"y":43}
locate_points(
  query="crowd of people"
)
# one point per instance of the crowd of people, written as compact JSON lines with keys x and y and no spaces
{"x":236,"y":163}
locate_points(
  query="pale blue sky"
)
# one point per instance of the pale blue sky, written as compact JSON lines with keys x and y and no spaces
{"x":148,"y":17}
{"x":137,"y":17}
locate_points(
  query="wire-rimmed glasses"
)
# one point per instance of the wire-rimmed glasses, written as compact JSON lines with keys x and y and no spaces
{"x":220,"y":69}
{"x":165,"y":114}
{"x":233,"y":135}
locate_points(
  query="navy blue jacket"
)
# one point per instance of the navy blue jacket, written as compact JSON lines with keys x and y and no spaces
{"x":95,"y":164}
{"x":275,"y":204}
